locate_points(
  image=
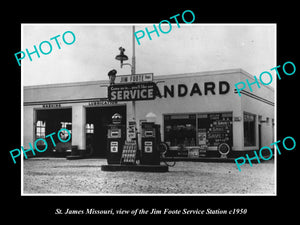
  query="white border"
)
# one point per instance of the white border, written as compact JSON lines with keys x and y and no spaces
{"x":143,"y":24}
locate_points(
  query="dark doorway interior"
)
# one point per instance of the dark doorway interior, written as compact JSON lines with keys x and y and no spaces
{"x":97,"y":119}
{"x":52,"y":120}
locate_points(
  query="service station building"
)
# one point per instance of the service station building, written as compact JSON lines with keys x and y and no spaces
{"x":196,"y":111}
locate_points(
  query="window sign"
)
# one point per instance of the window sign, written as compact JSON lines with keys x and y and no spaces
{"x":210,"y":131}
{"x":131,"y":92}
{"x":214,"y":129}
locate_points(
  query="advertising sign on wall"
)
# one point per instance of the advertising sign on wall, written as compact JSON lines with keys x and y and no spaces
{"x":131,"y":92}
{"x":215,"y":128}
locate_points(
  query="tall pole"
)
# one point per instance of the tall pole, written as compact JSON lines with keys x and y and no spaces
{"x":133,"y":71}
{"x":133,"y":102}
{"x":133,"y":51}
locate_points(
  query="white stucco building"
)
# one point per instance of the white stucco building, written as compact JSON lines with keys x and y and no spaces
{"x":194,"y":109}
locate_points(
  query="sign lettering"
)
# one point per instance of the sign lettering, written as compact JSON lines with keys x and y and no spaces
{"x":51,"y":105}
{"x":143,"y":77}
{"x":101,"y":102}
{"x":198,"y":89}
{"x":131,"y":92}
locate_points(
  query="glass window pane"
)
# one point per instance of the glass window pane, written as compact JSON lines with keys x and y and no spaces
{"x":180,"y":129}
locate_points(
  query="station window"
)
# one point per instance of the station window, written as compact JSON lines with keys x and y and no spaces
{"x":249,"y":129}
{"x":207,"y":130}
{"x":180,"y":129}
{"x":40,"y":129}
{"x":89,"y":128}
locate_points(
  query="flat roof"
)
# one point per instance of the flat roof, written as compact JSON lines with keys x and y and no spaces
{"x":156,"y":77}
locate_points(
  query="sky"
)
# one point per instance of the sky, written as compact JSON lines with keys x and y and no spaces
{"x":190,"y":48}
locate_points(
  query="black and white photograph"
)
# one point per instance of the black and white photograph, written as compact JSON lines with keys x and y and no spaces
{"x":165,"y":109}
{"x":142,"y":113}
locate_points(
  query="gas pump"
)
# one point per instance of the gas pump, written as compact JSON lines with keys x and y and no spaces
{"x":115,"y":139}
{"x":150,"y":144}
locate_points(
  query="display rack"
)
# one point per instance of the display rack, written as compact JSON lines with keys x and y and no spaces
{"x":129,"y":153}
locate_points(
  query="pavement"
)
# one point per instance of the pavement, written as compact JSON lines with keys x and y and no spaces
{"x":85,"y":177}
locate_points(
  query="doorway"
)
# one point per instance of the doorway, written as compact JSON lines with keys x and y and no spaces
{"x":97,"y":119}
{"x":49,"y":121}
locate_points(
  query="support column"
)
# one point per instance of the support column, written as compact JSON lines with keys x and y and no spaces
{"x":28,"y":126}
{"x":238,"y":131}
{"x":78,"y":126}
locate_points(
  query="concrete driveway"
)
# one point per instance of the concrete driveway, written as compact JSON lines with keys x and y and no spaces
{"x":61,"y":176}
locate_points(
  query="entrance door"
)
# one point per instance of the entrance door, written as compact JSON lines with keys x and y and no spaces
{"x":97,"y":119}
